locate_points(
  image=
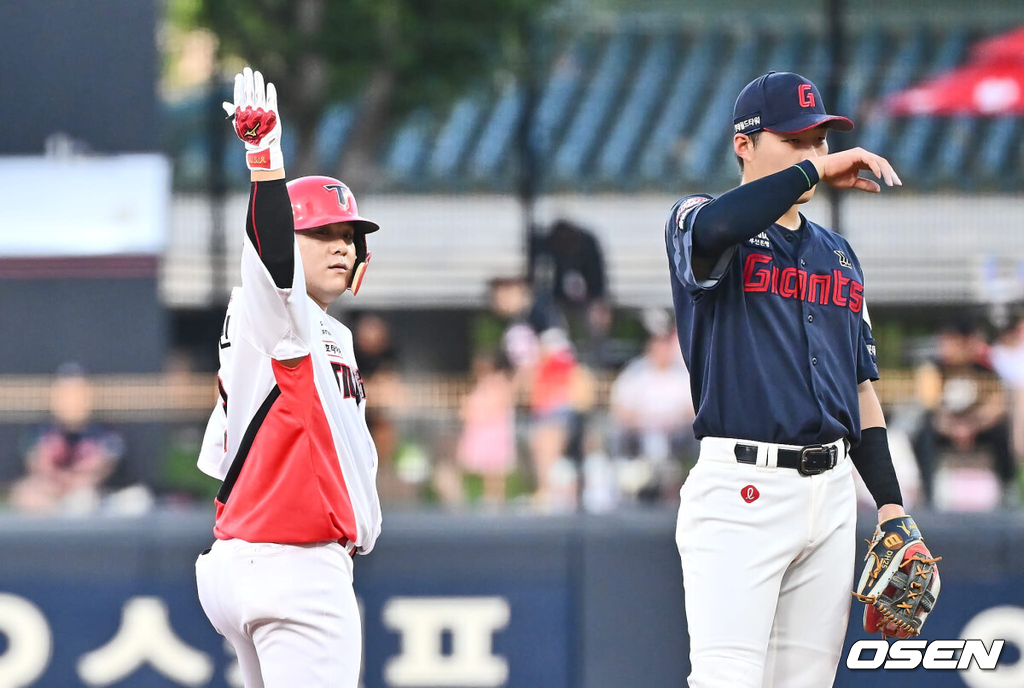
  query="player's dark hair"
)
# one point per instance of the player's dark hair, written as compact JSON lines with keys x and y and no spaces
{"x":753,"y":136}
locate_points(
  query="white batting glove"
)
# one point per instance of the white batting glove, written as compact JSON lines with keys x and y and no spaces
{"x":256,"y":121}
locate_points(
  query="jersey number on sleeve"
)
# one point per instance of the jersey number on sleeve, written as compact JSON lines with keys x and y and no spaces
{"x":224,"y":342}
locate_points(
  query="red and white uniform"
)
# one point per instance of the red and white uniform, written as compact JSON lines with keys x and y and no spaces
{"x":289,"y":442}
{"x":310,"y":465}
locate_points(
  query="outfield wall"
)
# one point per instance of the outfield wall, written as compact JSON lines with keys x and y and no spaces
{"x":466,"y":600}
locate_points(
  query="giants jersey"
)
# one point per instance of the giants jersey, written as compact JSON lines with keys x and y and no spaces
{"x":290,"y":444}
{"x":777,"y":337}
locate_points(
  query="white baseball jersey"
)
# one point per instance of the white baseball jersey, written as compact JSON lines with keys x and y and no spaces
{"x":291,"y":444}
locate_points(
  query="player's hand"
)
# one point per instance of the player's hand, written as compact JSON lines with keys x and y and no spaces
{"x":256,"y":121}
{"x":842,"y":170}
{"x":887,"y":511}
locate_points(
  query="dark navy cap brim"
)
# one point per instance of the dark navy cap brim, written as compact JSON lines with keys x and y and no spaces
{"x":809,"y":121}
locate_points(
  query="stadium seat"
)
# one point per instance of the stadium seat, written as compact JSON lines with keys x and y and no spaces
{"x":455,"y":137}
{"x":593,"y":111}
{"x":861,"y":70}
{"x":635,"y":112}
{"x":954,"y":149}
{"x":554,"y":104}
{"x":910,"y":155}
{"x":409,"y":147}
{"x":681,"y":106}
{"x":332,"y":135}
{"x":899,"y":73}
{"x":707,"y":148}
{"x":996,"y":150}
{"x":497,"y":135}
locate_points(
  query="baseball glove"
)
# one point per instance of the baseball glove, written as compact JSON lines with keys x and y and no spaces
{"x":900,"y":581}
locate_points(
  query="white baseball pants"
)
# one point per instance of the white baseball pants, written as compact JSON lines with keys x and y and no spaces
{"x":767,"y":572}
{"x":289,"y":611}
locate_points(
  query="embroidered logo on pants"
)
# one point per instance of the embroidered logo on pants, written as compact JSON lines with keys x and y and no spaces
{"x":749,"y":494}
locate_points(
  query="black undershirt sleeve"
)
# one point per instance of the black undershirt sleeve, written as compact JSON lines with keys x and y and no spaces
{"x":874,"y":463}
{"x":271,"y":229}
{"x":749,"y":209}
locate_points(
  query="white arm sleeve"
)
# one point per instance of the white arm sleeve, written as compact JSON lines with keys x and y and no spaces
{"x":275,"y":321}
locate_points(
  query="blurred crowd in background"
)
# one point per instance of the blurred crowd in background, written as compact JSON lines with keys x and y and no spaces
{"x":569,"y":404}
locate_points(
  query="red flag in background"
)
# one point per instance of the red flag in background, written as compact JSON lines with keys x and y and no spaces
{"x":1006,"y":47}
{"x":992,"y":83}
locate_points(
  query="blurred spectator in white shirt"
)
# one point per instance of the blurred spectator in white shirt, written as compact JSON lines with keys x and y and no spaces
{"x":966,"y":410}
{"x":652,"y":412}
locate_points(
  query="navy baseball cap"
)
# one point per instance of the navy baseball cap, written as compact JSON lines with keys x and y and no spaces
{"x":782,"y":102}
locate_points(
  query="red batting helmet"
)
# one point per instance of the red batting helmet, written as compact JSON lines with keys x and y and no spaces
{"x":318,"y":201}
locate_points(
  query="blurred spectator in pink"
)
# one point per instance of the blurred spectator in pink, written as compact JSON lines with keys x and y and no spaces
{"x":552,"y":405}
{"x":652,"y":414}
{"x":72,"y":457}
{"x":966,"y":408}
{"x":487,"y":443}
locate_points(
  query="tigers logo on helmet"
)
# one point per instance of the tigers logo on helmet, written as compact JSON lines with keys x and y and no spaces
{"x":340,"y":189}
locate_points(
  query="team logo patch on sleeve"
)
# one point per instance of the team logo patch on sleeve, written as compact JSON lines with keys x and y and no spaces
{"x":761,"y":241}
{"x":686,"y":207}
{"x":843,"y":260}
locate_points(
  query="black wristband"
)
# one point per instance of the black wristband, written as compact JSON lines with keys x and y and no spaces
{"x":874,"y":463}
{"x":810,"y":171}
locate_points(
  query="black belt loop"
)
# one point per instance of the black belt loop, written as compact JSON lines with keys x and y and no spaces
{"x":814,"y":459}
{"x":746,"y":453}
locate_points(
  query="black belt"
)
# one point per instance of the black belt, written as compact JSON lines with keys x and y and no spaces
{"x":813,"y":459}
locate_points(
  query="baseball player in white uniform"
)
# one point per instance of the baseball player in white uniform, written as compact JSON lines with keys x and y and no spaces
{"x":773,"y":327}
{"x":288,"y":437}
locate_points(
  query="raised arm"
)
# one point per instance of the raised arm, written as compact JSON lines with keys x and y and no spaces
{"x":749,"y":209}
{"x":274,"y":303}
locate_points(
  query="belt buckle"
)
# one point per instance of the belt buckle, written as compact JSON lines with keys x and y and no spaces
{"x":815,"y":452}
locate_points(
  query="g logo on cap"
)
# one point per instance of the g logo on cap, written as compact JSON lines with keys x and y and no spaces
{"x":806,"y":95}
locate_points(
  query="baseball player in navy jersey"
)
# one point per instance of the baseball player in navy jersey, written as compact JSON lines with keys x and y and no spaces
{"x":288,"y":437}
{"x":775,"y":332}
